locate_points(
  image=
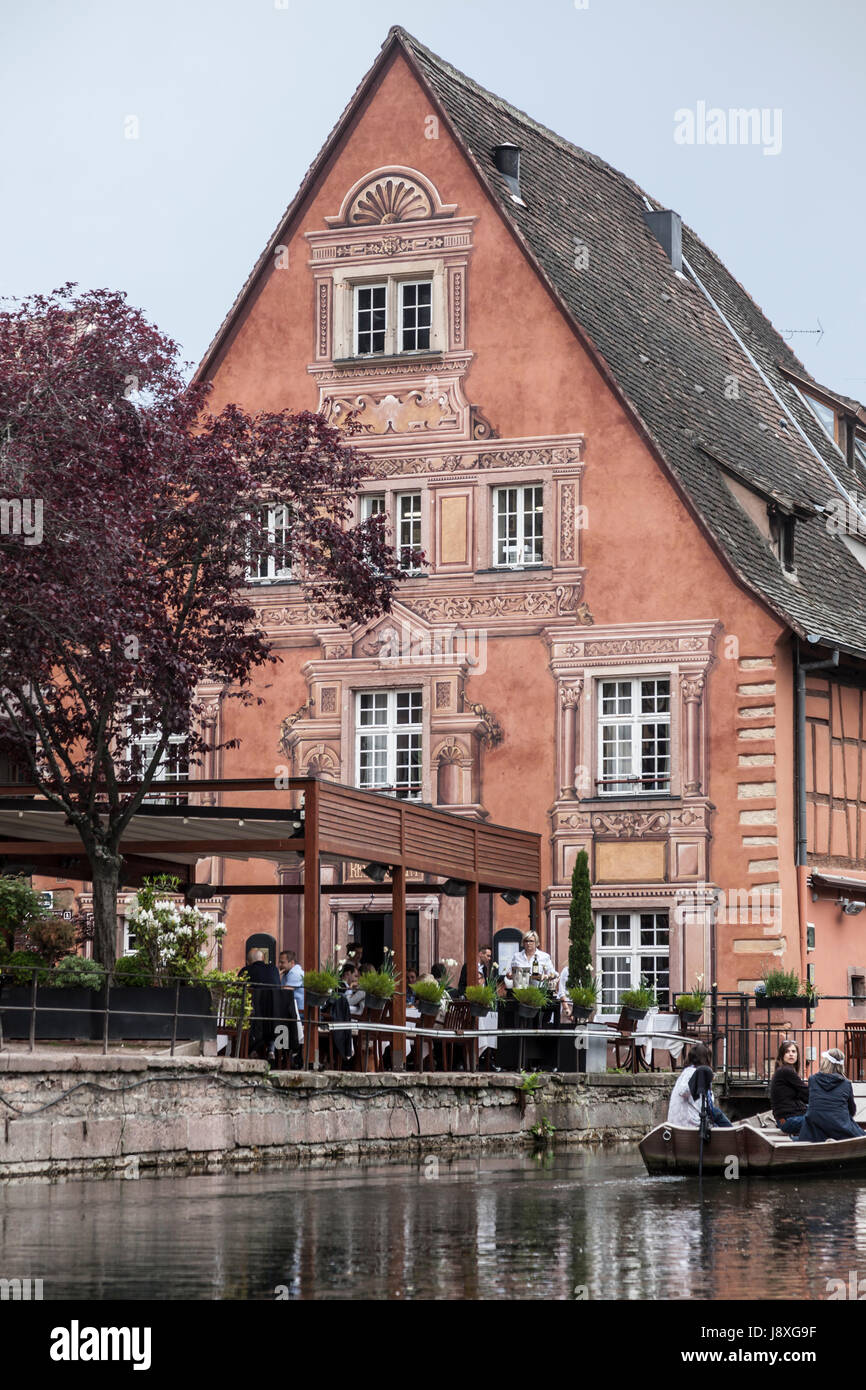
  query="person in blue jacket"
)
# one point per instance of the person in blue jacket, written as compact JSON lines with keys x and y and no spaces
{"x":831,"y":1110}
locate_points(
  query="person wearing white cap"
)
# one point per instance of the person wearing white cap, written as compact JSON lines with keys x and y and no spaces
{"x":831,"y":1109}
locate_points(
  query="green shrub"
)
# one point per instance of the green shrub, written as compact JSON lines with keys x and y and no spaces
{"x":52,"y":938}
{"x":20,"y":907}
{"x":430,"y":990}
{"x":379,"y":983}
{"x":225,"y":985}
{"x":21,"y":967}
{"x":584,"y":996}
{"x":533,"y":996}
{"x":691,"y":1003}
{"x":581,"y":923}
{"x":482,"y":994}
{"x":782,"y":982}
{"x":321,"y":981}
{"x":641,"y":998}
{"x":131,"y":971}
{"x":76,"y":972}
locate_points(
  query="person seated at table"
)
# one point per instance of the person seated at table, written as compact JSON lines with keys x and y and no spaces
{"x":349,"y":979}
{"x":831,"y":1108}
{"x":684,"y":1108}
{"x":530,"y":957}
{"x":789,"y":1093}
{"x":265,"y":981}
{"x":485,"y":957}
{"x":411,"y":977}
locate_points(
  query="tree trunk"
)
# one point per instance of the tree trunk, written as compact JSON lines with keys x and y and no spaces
{"x":105,"y":868}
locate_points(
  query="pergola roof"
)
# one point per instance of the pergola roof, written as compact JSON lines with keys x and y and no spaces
{"x":349,"y":824}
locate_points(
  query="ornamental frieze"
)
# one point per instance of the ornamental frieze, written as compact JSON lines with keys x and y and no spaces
{"x":466,"y":462}
{"x":564,"y":600}
{"x":630,"y":824}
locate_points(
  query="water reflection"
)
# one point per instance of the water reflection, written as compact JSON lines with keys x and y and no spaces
{"x":481,"y":1228}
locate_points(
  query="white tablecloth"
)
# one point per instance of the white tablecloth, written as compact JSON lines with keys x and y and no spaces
{"x":653,"y":1023}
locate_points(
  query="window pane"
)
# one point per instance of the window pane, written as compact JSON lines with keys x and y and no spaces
{"x":416,"y":316}
{"x":370,"y":318}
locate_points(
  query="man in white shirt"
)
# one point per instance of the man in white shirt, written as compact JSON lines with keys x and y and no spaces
{"x":292,"y":977}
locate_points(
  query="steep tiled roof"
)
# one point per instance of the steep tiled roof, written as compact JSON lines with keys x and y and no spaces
{"x":672,"y":355}
{"x":679,"y":368}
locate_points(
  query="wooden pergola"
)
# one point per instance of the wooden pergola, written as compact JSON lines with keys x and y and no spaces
{"x":327,"y":822}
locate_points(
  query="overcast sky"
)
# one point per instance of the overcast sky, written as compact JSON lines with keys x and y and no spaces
{"x":233,"y":98}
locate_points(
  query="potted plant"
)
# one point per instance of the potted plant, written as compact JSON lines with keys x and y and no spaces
{"x":584,"y":1000}
{"x":690,"y":1006}
{"x":320,"y":986}
{"x":429,"y":995}
{"x":530,"y":1000}
{"x":167,"y":969}
{"x":782,"y":990}
{"x":380,"y":985}
{"x":634,"y":1003}
{"x":481,"y":999}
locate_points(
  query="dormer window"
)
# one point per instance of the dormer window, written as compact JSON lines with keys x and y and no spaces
{"x":782,"y":536}
{"x":393,"y":316}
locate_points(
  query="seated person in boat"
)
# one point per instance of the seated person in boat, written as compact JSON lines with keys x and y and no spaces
{"x":789,"y":1093}
{"x":831,"y":1109}
{"x":685,"y":1103}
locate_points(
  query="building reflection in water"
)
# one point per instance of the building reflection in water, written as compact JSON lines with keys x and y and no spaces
{"x":571,"y":1224}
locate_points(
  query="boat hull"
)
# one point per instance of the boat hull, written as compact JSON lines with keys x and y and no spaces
{"x":671,"y":1150}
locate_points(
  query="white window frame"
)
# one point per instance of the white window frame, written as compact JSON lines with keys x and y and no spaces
{"x":402,"y":286}
{"x":357,"y":290}
{"x":274,"y":517}
{"x":520,"y":540}
{"x":415,"y":522}
{"x":390,"y":730}
{"x":632,"y":957}
{"x":146,"y":742}
{"x":634,"y":721}
{"x":346,"y":283}
{"x":373,"y":504}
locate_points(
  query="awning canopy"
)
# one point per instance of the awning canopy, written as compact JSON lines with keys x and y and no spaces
{"x":823,"y":884}
{"x":341,"y":822}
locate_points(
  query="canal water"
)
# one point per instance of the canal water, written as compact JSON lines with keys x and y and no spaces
{"x":565,"y":1225}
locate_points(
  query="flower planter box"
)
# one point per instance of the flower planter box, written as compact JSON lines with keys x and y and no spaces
{"x":376,"y":1003}
{"x":427,"y":1007}
{"x":688,"y":1017}
{"x":628,"y":1011}
{"x":74,"y":1021}
{"x":316,"y":1000}
{"x":527,"y":1010}
{"x":481,"y":1010}
{"x":785,"y":1001}
{"x":156,"y":1005}
{"x":581,"y":1013}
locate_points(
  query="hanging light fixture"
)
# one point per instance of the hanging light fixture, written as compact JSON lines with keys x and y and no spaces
{"x":510,"y":896}
{"x":455,"y":888}
{"x":377,"y":872}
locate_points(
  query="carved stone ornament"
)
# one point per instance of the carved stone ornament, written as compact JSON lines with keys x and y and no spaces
{"x":287,"y":725}
{"x":452,"y":753}
{"x":435,"y":406}
{"x":322,"y":762}
{"x":565,"y":599}
{"x":491,"y":732}
{"x":390,"y":195}
{"x":629,"y":825}
{"x":570,"y":694}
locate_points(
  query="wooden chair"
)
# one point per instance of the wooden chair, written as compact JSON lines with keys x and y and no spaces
{"x":227,"y":1020}
{"x":457,"y":1018}
{"x":855,"y":1050}
{"x":628,"y":1043}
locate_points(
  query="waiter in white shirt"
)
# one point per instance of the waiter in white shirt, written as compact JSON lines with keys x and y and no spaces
{"x":530,"y":957}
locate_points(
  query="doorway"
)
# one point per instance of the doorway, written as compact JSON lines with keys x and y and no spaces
{"x":375,"y":932}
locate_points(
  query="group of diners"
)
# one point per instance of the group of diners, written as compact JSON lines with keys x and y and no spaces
{"x":811,"y":1113}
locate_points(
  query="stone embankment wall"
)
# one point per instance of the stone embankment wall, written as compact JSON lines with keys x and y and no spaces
{"x":94,"y":1115}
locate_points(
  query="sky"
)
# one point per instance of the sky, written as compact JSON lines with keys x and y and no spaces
{"x":153,"y":146}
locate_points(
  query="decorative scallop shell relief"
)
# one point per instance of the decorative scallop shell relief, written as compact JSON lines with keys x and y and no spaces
{"x":389,"y":200}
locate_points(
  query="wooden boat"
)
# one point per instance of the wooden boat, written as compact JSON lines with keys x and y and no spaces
{"x":760,"y":1152}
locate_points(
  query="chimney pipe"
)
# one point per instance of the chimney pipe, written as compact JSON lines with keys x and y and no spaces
{"x":506,"y":157}
{"x":667,"y":228}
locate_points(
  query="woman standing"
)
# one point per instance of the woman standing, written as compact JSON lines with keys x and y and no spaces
{"x":789,"y":1093}
{"x":831,"y":1110}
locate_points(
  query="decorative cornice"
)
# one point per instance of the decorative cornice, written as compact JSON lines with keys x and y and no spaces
{"x":629,"y":825}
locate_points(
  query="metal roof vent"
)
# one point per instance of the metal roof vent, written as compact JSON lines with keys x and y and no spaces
{"x":506,"y":157}
{"x":667,"y":228}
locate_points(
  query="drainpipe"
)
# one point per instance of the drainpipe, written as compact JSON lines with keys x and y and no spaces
{"x":802,"y":847}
